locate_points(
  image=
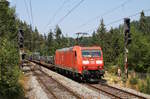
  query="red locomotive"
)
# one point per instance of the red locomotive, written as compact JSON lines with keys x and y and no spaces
{"x":85,"y":62}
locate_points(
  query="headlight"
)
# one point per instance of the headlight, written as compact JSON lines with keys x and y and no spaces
{"x":99,"y":62}
{"x":84,"y":67}
{"x":85,"y":62}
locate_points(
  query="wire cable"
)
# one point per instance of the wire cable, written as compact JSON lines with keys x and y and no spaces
{"x":31,"y":13}
{"x":116,"y":21}
{"x":27,"y":10}
{"x":70,"y":11}
{"x":104,"y":14}
{"x":57,"y":11}
{"x":130,"y":16}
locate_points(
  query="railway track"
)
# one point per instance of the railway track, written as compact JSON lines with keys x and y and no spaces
{"x":114,"y":92}
{"x":53,"y":88}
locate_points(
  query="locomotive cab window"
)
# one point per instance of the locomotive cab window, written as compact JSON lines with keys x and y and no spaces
{"x":91,"y":53}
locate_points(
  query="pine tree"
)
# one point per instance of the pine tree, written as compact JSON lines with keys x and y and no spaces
{"x":101,"y":30}
{"x":142,"y":23}
{"x":94,"y":38}
{"x":101,"y":33}
{"x":50,"y":38}
{"x":58,"y":35}
{"x":8,"y":24}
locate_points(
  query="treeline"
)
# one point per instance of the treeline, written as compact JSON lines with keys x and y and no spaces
{"x":111,"y":41}
{"x":45,"y":44}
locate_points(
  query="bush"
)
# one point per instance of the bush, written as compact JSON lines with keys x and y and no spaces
{"x":13,"y":92}
{"x":124,"y":78}
{"x":148,"y":85}
{"x":148,"y":70}
{"x":112,"y":69}
{"x":141,"y":86}
{"x":144,"y":86}
{"x":133,"y":80}
{"x":9,"y":76}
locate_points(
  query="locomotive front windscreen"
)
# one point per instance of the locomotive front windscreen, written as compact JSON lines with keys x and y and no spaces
{"x":91,"y":53}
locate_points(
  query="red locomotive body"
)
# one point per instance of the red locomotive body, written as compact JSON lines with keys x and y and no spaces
{"x":84,"y":61}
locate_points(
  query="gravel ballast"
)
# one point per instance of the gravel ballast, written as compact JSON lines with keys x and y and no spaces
{"x":83,"y":91}
{"x":132,"y":91}
{"x":33,"y":88}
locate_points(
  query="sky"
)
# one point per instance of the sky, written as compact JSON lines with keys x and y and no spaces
{"x":47,"y":13}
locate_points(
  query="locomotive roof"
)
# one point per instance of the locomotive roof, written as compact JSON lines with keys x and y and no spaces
{"x":71,"y":48}
{"x":93,"y":47}
{"x":65,"y":49}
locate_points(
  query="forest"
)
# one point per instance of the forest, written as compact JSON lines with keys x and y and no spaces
{"x":111,"y":41}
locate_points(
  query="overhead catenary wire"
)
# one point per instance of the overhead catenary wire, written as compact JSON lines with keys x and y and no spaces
{"x":118,"y":20}
{"x":27,"y":10}
{"x":57,"y":11}
{"x":130,"y":16}
{"x":104,"y":14}
{"x":32,"y":18}
{"x":69,"y":12}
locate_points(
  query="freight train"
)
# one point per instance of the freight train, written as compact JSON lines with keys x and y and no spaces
{"x":84,"y":63}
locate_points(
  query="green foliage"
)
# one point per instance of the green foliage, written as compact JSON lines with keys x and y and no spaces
{"x":144,"y":86}
{"x":123,"y":78}
{"x":148,"y":70}
{"x":147,"y":85}
{"x":141,"y":87}
{"x":133,"y":80}
{"x":7,"y":21}
{"x":120,"y":61}
{"x":113,"y":70}
{"x":139,"y":52}
{"x":9,"y":86}
{"x":9,"y":55}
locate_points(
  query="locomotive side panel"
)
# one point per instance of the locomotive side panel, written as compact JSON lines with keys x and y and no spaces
{"x":78,"y":59}
{"x":66,"y":60}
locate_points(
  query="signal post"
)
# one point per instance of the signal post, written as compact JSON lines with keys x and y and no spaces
{"x":127,"y":39}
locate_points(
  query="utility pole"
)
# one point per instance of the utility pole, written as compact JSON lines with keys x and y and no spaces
{"x":127,"y":39}
{"x":78,"y":35}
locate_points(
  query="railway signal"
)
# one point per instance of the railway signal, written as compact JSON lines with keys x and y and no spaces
{"x":127,"y":39}
{"x":21,"y":39}
{"x":21,"y":46}
{"x":127,"y":31}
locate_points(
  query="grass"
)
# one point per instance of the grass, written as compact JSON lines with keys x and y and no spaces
{"x":132,"y":82}
{"x":23,"y":80}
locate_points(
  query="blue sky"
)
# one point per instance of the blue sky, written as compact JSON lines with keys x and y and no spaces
{"x":44,"y":10}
